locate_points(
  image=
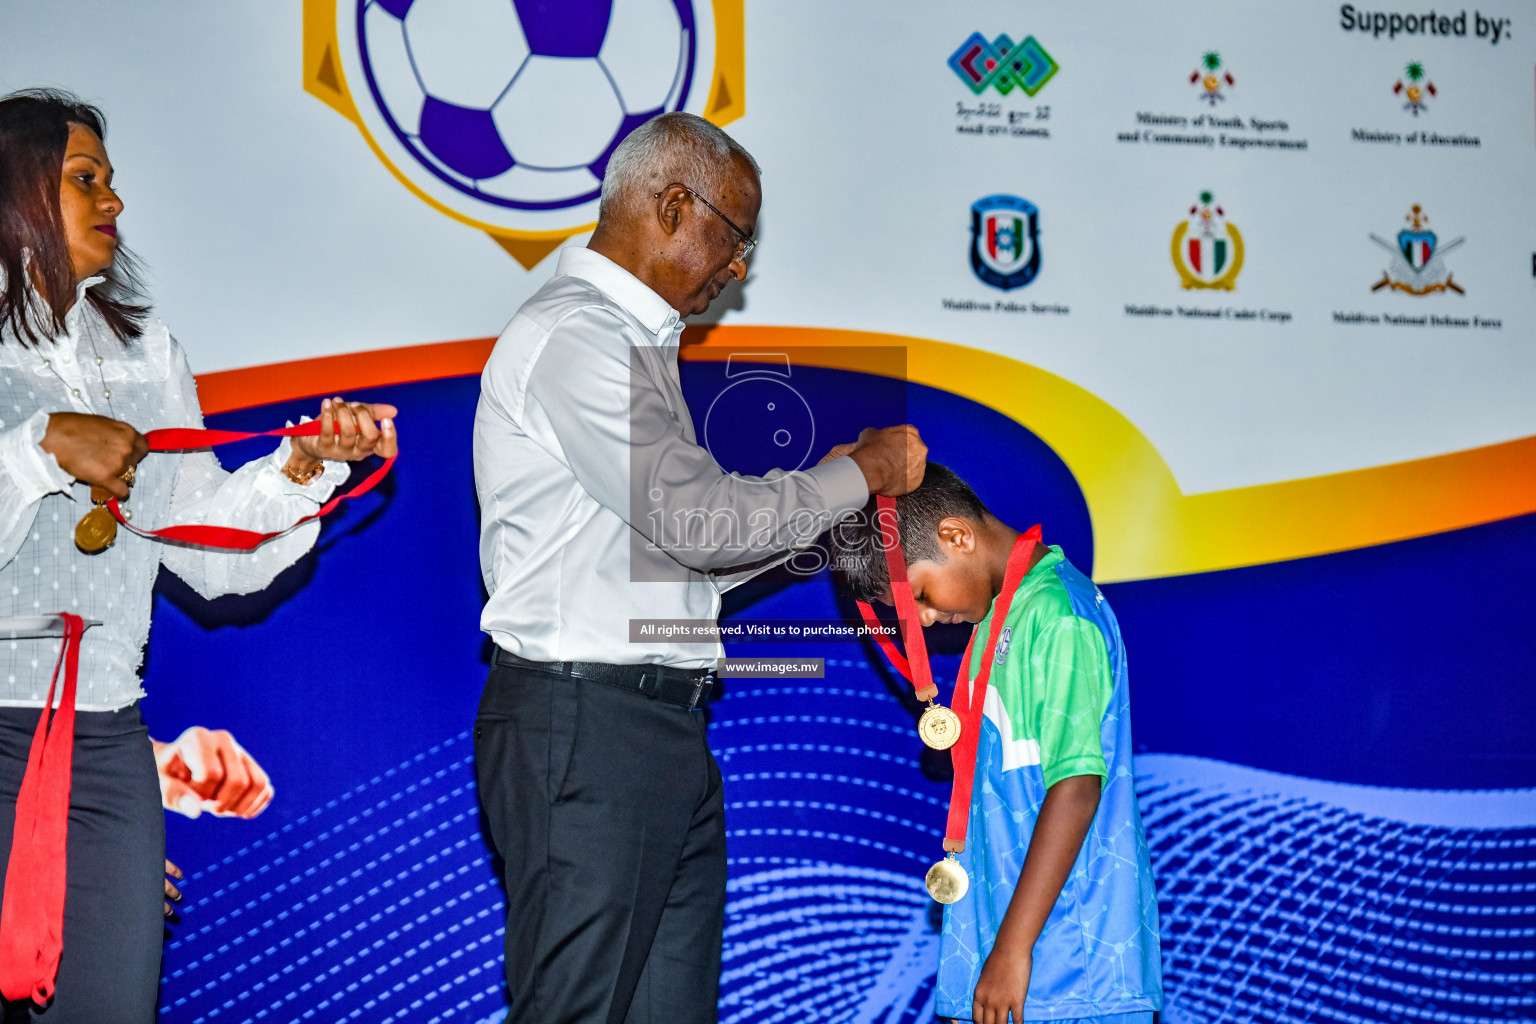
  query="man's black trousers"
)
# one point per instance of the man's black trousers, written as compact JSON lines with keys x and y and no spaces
{"x":607,"y":807}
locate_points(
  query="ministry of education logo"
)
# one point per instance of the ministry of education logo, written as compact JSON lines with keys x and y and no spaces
{"x":1003,"y":64}
{"x":503,"y":114}
{"x":1418,"y":259}
{"x":1416,"y":90}
{"x":1005,"y":241}
{"x":1210,"y":78}
{"x":1207,"y":248}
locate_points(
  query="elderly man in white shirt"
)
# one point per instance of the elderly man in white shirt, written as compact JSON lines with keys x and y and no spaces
{"x":593,"y":766}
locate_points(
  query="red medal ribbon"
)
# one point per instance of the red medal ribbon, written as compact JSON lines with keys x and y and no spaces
{"x":32,"y":918}
{"x":32,"y":914}
{"x":914,"y":667}
{"x":172,"y":439}
{"x":963,"y":753}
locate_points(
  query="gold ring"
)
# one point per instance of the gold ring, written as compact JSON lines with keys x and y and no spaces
{"x":127,"y":475}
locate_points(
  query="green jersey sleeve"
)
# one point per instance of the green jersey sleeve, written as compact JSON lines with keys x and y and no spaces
{"x":1072,"y":687}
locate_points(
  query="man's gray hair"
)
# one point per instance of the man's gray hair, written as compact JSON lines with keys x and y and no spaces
{"x":677,"y":147}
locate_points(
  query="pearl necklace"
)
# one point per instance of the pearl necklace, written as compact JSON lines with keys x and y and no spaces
{"x":101,"y":374}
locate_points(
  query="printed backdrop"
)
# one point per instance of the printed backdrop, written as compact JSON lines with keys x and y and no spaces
{"x":1238,"y":300}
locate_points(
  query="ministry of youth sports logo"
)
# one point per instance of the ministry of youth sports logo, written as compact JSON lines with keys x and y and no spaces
{"x":1005,"y":241}
{"x":503,"y":114}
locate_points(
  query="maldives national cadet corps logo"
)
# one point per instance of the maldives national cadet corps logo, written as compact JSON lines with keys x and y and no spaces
{"x":1207,"y":248}
{"x":1005,"y":241}
{"x":1210,"y":78}
{"x":1414,"y":92}
{"x":1003,"y":64}
{"x":1418,"y":260}
{"x":503,"y":114}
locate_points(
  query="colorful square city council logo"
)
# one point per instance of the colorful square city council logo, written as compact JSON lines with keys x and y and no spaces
{"x":1003,"y":64}
{"x":503,"y":114}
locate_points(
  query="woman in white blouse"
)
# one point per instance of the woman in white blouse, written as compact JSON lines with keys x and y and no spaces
{"x":84,"y":373}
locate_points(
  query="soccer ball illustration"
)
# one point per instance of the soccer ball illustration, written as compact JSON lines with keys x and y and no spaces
{"x":521,"y":103}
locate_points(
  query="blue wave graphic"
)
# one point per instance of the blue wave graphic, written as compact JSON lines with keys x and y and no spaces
{"x":1282,"y":899}
{"x":1287,"y":899}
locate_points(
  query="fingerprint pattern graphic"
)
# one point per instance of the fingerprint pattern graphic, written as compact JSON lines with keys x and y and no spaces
{"x":1282,"y":900}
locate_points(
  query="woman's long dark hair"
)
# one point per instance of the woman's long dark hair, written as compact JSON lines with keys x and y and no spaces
{"x":34,"y":132}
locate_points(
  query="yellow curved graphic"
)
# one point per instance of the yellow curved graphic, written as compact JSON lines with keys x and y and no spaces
{"x":323,"y":79}
{"x":1144,"y":526}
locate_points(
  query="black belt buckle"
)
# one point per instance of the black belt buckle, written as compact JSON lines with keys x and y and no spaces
{"x":701,"y":688}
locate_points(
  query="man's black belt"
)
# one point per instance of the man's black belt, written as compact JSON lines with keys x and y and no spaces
{"x":685,"y":688}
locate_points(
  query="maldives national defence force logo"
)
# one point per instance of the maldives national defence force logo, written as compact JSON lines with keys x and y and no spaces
{"x":503,"y":114}
{"x":1005,"y":241}
{"x":1207,"y":248}
{"x":1418,"y":259}
{"x":1003,"y":65}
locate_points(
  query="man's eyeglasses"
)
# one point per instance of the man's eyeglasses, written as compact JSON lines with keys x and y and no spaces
{"x":744,"y":247}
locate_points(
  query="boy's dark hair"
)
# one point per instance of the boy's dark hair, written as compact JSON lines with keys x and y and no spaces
{"x":858,"y":558}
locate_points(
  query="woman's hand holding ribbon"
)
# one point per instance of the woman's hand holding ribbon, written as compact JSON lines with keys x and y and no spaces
{"x":349,"y":431}
{"x":95,"y":449}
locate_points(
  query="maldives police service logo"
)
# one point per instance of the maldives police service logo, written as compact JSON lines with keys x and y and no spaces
{"x":1418,"y":259}
{"x":1005,"y":241}
{"x":503,"y":114}
{"x":1207,"y":248}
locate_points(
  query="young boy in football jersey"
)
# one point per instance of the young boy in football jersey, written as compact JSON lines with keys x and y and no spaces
{"x":1059,"y":922}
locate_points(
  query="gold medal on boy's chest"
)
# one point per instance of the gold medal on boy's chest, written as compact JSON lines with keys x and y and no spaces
{"x":947,"y":881}
{"x":938,"y":727}
{"x":97,"y":529}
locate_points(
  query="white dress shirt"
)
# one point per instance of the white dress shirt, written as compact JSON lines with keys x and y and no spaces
{"x":597,"y":504}
{"x":41,"y":570}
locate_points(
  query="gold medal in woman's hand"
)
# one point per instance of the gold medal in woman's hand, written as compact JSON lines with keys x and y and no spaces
{"x":97,"y":529}
{"x":938,"y":727}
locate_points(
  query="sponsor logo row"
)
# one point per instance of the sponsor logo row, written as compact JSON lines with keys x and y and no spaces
{"x":1206,"y":248}
{"x":1000,"y":68}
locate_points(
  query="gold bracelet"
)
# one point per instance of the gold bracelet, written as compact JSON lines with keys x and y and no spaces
{"x":303,"y":479}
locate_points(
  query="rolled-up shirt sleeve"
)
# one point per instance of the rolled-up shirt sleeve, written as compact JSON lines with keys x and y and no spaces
{"x":594,"y":403}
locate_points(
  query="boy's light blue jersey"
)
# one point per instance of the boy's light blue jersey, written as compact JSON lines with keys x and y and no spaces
{"x":1057,"y":706}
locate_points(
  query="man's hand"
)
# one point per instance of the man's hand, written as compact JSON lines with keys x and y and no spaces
{"x":171,"y":892}
{"x":1002,"y":987}
{"x":893,"y":460}
{"x":206,"y":770}
{"x":94,"y":449}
